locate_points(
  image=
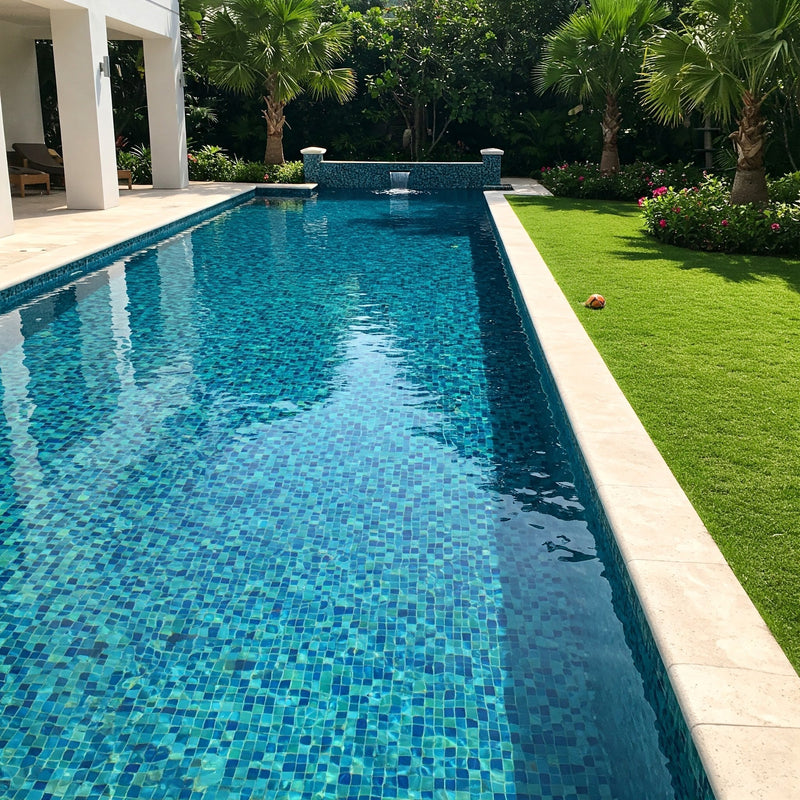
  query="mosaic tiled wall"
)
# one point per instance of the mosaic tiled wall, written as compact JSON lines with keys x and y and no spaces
{"x":421,"y":175}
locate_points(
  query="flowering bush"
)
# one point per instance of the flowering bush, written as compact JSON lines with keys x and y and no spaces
{"x":630,"y":183}
{"x":702,"y":218}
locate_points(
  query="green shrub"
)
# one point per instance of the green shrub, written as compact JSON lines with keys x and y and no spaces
{"x":702,"y":218}
{"x":138,"y":161}
{"x":290,"y":172}
{"x":248,"y":172}
{"x":210,"y":163}
{"x":630,"y":183}
{"x":785,"y":189}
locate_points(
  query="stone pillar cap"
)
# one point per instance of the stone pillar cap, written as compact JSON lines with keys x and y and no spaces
{"x":492,"y":151}
{"x":313,"y":151}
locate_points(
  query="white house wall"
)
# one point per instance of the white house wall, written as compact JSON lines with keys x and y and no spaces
{"x":6,"y":212}
{"x":19,"y":86}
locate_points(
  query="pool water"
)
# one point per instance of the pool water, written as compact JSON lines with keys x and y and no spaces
{"x":286,"y":515}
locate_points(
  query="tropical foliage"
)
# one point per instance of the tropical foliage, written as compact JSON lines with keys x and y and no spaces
{"x":727,"y":59}
{"x":276,"y":49}
{"x":212,"y":163}
{"x":432,"y":69}
{"x":594,"y":55}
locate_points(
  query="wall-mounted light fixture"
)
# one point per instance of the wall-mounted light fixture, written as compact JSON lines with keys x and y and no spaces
{"x":105,"y":67}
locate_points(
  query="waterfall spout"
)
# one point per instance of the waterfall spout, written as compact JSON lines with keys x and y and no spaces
{"x":399,"y":180}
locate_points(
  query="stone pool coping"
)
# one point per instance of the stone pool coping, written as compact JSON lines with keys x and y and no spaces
{"x":736,"y":688}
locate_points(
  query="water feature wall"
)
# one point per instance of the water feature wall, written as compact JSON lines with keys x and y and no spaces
{"x":483,"y":174}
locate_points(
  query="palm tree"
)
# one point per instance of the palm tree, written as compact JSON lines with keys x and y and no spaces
{"x":594,"y":54}
{"x":279,"y":48}
{"x":728,"y":58}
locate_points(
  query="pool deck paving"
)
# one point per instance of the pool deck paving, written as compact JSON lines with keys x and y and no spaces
{"x":737,"y":690}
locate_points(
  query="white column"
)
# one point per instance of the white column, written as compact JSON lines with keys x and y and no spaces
{"x":19,"y":85}
{"x":165,"y":111}
{"x":6,"y":211}
{"x":84,"y":108}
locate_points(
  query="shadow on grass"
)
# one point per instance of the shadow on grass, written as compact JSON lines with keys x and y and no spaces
{"x":618,"y":208}
{"x":733,"y":267}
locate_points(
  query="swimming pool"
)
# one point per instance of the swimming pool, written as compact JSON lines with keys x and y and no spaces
{"x":286,"y":514}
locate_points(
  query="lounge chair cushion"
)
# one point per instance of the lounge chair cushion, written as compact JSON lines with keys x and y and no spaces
{"x":38,"y":157}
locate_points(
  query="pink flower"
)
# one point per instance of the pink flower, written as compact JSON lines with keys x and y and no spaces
{"x":724,"y":223}
{"x":775,"y":226}
{"x":580,"y":178}
{"x":662,"y":223}
{"x":641,"y":201}
{"x":676,"y":210}
{"x":661,"y":190}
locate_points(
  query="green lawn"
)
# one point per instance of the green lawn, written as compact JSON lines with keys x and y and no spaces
{"x":707,"y":349}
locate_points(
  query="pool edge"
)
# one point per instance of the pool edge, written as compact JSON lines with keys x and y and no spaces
{"x":738,"y":692}
{"x":52,"y":268}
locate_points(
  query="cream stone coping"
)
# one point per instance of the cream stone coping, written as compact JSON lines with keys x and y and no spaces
{"x":738,"y":692}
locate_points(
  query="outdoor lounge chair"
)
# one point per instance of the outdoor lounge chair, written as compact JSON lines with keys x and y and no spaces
{"x":25,"y":176}
{"x":37,"y":156}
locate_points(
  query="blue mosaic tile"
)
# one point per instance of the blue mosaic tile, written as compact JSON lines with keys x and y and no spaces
{"x":286,"y":514}
{"x":420,"y":175}
{"x":13,"y":295}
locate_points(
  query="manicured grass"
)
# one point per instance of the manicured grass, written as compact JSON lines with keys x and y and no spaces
{"x":707,"y":349}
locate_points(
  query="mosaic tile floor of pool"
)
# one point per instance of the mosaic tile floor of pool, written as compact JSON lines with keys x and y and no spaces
{"x":285,"y":516}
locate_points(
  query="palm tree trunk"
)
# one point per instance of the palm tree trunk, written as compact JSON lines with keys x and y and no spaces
{"x":609,"y":161}
{"x":275,"y":119}
{"x":750,"y":182}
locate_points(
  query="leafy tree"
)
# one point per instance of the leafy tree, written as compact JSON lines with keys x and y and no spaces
{"x":276,"y":47}
{"x":727,"y":59}
{"x":595,"y":54}
{"x":435,"y":61}
{"x":192,"y":12}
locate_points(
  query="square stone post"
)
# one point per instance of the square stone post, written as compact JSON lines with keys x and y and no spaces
{"x":492,"y":158}
{"x":312,"y":158}
{"x":165,"y":110}
{"x":83,"y":81}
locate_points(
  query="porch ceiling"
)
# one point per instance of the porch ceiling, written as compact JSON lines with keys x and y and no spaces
{"x":37,"y":19}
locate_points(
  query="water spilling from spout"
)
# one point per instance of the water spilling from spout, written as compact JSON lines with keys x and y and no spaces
{"x":399,"y":179}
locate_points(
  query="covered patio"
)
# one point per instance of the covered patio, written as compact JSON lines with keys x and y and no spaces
{"x":80,"y":31}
